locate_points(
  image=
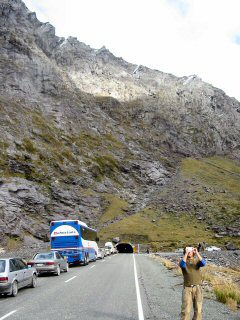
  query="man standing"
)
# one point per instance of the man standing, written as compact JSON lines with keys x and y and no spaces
{"x":192,"y":291}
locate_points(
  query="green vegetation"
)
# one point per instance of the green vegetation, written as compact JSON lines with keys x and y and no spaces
{"x":227,"y":292}
{"x":115,"y":207}
{"x":224,"y":283}
{"x":13,"y":243}
{"x":112,"y":142}
{"x":28,"y":145}
{"x":216,"y":171}
{"x":164,"y":233}
{"x":49,"y":152}
{"x":87,"y":141}
{"x":104,"y":165}
{"x":222,"y":177}
{"x":3,"y":155}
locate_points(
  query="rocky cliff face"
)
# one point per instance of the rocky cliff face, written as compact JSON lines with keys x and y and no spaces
{"x":86,"y":135}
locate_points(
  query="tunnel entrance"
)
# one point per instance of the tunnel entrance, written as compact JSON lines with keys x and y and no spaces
{"x":125,"y":248}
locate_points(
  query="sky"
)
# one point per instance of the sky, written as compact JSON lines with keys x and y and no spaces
{"x":182,"y":37}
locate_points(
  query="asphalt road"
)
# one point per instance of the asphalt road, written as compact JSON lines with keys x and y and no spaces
{"x":107,"y":289}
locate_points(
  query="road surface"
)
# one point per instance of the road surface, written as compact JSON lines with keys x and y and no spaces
{"x":107,"y":289}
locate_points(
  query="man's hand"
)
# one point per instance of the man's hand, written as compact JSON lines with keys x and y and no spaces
{"x":195,"y":250}
{"x":185,"y":256}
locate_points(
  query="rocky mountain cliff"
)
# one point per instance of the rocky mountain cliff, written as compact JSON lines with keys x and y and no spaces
{"x":86,"y":135}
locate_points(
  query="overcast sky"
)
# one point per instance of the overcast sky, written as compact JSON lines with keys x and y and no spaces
{"x":181,"y":37}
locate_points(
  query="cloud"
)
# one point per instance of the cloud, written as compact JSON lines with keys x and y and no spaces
{"x":236,"y":38}
{"x":181,"y":5}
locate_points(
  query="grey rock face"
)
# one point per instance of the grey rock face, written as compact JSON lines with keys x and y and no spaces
{"x":79,"y":123}
{"x":20,"y":203}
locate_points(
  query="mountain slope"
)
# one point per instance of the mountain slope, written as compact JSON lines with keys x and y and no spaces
{"x":86,"y":135}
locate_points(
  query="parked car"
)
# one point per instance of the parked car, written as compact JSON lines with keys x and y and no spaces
{"x":213,"y":248}
{"x":109,"y":245}
{"x":49,"y":262}
{"x":101,"y":253}
{"x":108,"y":251}
{"x":14,"y":275}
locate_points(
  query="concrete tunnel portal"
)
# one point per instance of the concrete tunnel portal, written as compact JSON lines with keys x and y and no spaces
{"x":124,"y":247}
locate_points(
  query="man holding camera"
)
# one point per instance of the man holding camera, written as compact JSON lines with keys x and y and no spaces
{"x":192,"y":291}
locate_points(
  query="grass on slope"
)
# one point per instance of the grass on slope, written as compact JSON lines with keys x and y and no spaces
{"x":114,"y":208}
{"x":222,"y":177}
{"x":215,"y":171}
{"x":165,"y":232}
{"x":220,"y":205}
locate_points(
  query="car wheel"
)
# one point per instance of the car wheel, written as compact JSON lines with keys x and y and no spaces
{"x":58,"y":271}
{"x":67,"y":268}
{"x":86,"y":260}
{"x":34,"y":281}
{"x":14,"y":289}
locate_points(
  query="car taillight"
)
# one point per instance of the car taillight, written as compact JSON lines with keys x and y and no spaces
{"x":3,"y":279}
{"x":30,"y":264}
{"x":49,"y":263}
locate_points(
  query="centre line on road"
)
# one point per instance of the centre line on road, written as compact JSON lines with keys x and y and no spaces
{"x":8,"y":314}
{"x":92,"y":266}
{"x":68,"y":280}
{"x":139,"y":302}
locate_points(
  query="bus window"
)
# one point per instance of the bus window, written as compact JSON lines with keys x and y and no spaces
{"x":88,"y":234}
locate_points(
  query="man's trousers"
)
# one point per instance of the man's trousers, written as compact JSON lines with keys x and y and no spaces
{"x":192,"y":296}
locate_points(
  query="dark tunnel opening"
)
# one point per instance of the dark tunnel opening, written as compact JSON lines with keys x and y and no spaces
{"x":125,"y":248}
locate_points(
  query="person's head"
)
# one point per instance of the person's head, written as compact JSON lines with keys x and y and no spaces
{"x":189,"y":250}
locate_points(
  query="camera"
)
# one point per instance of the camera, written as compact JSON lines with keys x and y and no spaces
{"x":189,"y":249}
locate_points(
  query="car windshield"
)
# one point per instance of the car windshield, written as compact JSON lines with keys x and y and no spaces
{"x":2,"y":265}
{"x":44,"y":256}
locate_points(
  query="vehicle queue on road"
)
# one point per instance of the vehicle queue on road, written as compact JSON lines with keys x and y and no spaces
{"x":72,"y":242}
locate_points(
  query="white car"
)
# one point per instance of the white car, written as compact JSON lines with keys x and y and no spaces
{"x":213,"y":248}
{"x":101,"y":253}
{"x":108,"y":251}
{"x":109,"y":245}
{"x":14,"y":275}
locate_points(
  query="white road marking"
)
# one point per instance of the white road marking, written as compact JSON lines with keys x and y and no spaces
{"x":68,"y":280}
{"x":139,"y":302}
{"x":92,"y":266}
{"x":9,"y":314}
